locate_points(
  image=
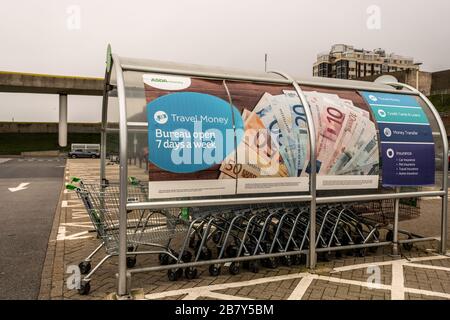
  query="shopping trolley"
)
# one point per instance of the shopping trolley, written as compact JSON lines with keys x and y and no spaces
{"x":153,"y":229}
{"x":257,"y":231}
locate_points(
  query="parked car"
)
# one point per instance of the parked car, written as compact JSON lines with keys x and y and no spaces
{"x":80,"y":153}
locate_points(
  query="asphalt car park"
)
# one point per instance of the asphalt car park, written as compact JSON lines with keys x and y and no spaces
{"x":29,"y":192}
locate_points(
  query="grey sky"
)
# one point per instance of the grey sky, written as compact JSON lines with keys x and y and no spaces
{"x":35,"y":38}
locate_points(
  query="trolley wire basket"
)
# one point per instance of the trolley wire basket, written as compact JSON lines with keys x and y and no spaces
{"x":266,"y":235}
{"x":154,"y":229}
{"x":144,"y":227}
{"x":382,"y":211}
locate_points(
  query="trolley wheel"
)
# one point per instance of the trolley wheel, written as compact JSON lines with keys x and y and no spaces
{"x":361,"y":252}
{"x":131,"y":262}
{"x":373,"y":249}
{"x":231,"y":251}
{"x":186,"y":256}
{"x":408,"y":246}
{"x":265,"y":262}
{"x":286,"y":261}
{"x":85,"y":288}
{"x":253,"y":266}
{"x":205,"y":254}
{"x":214,"y":270}
{"x":163,"y":259}
{"x":390,"y":235}
{"x":273,"y":263}
{"x":174,"y":274}
{"x":190,"y":273}
{"x":234,"y":269}
{"x":299,"y":259}
{"x":324,"y":256}
{"x":85,"y":267}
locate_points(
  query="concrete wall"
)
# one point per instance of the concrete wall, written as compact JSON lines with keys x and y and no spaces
{"x":409,"y":77}
{"x":22,"y":127}
{"x":441,"y":82}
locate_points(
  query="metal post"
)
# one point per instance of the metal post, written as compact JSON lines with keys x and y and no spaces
{"x":62,"y":125}
{"x":443,"y":132}
{"x":135,"y":141}
{"x":122,"y":288}
{"x":103,"y":133}
{"x":395,"y":229}
{"x":312,"y":257}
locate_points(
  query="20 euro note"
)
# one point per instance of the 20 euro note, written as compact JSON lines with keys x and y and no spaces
{"x":265,"y":111}
{"x":289,"y":145}
{"x":299,"y":129}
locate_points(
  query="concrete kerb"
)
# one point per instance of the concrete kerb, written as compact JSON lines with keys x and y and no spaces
{"x":47,"y":270}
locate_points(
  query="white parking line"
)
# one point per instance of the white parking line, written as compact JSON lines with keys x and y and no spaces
{"x":204,"y":291}
{"x":397,"y":288}
{"x":426,"y":266}
{"x":301,"y":288}
{"x":398,"y":281}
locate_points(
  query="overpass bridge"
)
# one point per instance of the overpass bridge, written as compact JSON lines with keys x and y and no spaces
{"x":52,"y":84}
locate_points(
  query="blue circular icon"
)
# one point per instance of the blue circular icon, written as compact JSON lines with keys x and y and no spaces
{"x":190,"y":131}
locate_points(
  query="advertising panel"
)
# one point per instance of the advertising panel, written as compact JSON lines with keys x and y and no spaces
{"x":191,"y":129}
{"x":346,"y":140}
{"x":407,"y":145}
{"x":272,"y":155}
{"x":222,"y":138}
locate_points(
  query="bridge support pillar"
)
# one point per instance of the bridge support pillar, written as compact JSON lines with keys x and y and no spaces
{"x":62,"y":126}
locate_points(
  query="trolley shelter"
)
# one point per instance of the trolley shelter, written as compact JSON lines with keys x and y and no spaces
{"x":229,"y":158}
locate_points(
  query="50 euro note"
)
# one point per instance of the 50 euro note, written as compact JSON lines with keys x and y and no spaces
{"x":254,"y":156}
{"x":247,"y":163}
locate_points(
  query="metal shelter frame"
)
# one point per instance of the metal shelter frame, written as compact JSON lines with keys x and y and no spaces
{"x":117,"y":66}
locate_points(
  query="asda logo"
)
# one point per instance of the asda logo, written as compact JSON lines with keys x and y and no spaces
{"x":159,"y":80}
{"x":167,"y":82}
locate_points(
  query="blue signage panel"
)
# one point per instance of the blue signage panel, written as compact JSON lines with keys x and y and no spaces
{"x":190,"y":131}
{"x":394,"y":132}
{"x":407,"y":164}
{"x":389,"y":99}
{"x":406,"y":138}
{"x":399,"y":114}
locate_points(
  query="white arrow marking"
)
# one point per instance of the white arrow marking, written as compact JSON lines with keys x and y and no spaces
{"x":20,"y":187}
